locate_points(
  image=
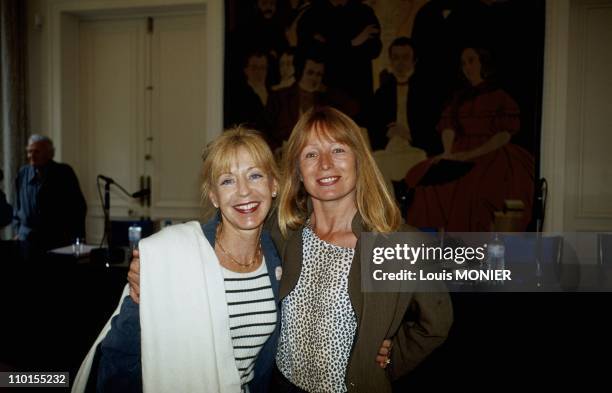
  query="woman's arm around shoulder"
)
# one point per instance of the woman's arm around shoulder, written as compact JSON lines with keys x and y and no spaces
{"x":120,"y":368}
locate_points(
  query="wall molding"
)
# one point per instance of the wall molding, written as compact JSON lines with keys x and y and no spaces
{"x":554,"y":108}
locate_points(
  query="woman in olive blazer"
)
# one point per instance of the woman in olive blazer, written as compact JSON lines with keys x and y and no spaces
{"x":331,"y":188}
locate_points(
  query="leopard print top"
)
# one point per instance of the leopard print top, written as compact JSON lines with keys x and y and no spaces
{"x":318,"y":320}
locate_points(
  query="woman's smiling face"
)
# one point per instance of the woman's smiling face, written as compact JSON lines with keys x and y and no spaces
{"x":244,"y":193}
{"x":328,"y":169}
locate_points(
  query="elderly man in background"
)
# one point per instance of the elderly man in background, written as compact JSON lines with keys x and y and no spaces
{"x":49,"y":205}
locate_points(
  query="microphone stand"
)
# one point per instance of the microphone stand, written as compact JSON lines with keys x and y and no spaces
{"x":106,"y":208}
{"x":112,"y":254}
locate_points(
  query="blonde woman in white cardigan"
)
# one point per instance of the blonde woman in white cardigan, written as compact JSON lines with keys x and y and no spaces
{"x":198,"y":280}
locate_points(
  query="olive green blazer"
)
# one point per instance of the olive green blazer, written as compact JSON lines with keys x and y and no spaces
{"x":417,"y":323}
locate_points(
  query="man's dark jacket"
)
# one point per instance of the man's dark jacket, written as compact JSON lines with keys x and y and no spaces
{"x":60,"y":207}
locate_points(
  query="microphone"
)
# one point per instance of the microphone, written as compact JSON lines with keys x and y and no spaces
{"x":106,"y":179}
{"x":142,"y":193}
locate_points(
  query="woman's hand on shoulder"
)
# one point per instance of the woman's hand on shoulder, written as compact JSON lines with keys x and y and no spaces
{"x":134,"y":277}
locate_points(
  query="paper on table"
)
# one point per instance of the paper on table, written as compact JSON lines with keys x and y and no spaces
{"x":69,"y":250}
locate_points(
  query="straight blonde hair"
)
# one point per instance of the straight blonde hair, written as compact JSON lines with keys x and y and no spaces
{"x":374,"y":202}
{"x":221,"y":153}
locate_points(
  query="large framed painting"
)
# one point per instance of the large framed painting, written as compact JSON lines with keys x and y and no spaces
{"x":448,"y":93}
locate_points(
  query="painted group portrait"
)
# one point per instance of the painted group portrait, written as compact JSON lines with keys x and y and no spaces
{"x":447,"y":93}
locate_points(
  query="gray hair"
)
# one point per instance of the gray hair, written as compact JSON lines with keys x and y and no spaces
{"x":40,"y":138}
{"x":35,"y":138}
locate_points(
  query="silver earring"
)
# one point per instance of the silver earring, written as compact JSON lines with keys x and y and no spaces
{"x":274,"y":194}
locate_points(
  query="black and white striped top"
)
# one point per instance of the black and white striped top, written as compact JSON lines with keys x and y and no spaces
{"x":252,"y":315}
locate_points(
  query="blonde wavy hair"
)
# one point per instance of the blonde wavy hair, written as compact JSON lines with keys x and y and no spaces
{"x":221,"y":153}
{"x":374,"y":202}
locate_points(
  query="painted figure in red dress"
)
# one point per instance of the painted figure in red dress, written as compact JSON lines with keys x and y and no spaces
{"x":476,"y":127}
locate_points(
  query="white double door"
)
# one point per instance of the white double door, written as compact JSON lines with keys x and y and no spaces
{"x":142,"y":114}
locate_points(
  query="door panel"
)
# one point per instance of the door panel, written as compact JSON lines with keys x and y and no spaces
{"x":589,"y":162}
{"x":178,"y":54}
{"x":112,"y":85}
{"x":142,"y":113}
